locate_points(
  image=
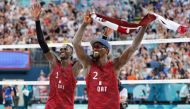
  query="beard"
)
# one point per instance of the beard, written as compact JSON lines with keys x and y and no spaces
{"x":64,"y":57}
{"x":95,"y":55}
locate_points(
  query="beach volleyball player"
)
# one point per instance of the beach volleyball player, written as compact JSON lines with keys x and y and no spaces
{"x":63,"y":70}
{"x":101,"y":73}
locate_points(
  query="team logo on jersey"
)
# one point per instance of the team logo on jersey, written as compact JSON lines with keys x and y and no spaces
{"x":101,"y":87}
{"x":60,"y":86}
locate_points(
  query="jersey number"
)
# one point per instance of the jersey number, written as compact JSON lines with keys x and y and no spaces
{"x":95,"y":76}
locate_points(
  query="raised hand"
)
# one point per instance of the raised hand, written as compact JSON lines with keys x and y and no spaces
{"x":87,"y":18}
{"x":36,"y":10}
{"x":147,"y":10}
{"x":108,"y":31}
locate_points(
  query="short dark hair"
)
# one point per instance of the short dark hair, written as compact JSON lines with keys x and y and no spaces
{"x":67,"y":45}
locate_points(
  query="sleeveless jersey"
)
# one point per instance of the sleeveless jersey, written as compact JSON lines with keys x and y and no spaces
{"x":102,"y":87}
{"x":62,"y":87}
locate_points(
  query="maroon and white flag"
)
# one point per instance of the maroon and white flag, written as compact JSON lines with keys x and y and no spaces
{"x":171,"y":24}
{"x":126,"y":27}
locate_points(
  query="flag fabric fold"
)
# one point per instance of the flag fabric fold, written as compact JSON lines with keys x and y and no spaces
{"x":171,"y":24}
{"x":120,"y":25}
{"x":127,"y":28}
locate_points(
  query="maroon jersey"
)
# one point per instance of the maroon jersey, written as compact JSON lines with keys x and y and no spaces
{"x":102,"y":87}
{"x":62,"y":86}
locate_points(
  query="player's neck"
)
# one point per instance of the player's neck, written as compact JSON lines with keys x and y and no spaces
{"x":65,"y":63}
{"x":102,"y":61}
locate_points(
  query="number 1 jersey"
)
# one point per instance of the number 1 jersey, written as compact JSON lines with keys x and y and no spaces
{"x":62,"y":87}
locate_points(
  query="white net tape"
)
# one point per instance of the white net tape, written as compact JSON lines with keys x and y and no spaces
{"x":155,"y":41}
{"x":83,"y":82}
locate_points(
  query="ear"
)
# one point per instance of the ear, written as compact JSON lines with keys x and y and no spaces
{"x":107,"y":51}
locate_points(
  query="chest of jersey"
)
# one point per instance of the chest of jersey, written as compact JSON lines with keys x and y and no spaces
{"x":101,"y":79}
{"x":62,"y":78}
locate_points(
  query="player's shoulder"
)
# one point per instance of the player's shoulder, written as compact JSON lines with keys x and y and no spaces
{"x":75,"y":62}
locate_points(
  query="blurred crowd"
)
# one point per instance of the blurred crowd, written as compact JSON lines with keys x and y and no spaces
{"x":61,"y":18}
{"x":165,"y":61}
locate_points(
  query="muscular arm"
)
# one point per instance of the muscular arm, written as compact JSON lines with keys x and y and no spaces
{"x":82,"y":56}
{"x":77,"y":66}
{"x":126,"y":55}
{"x":50,"y":57}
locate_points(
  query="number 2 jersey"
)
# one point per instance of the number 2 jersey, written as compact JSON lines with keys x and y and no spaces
{"x":102,"y":87}
{"x":62,"y":87}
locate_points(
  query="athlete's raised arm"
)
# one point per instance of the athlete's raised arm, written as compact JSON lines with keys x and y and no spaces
{"x":82,"y":56}
{"x":128,"y":52}
{"x":36,"y":11}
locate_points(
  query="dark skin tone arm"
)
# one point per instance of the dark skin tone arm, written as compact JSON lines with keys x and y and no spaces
{"x":77,"y":67}
{"x":128,"y":52}
{"x":82,"y":56}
